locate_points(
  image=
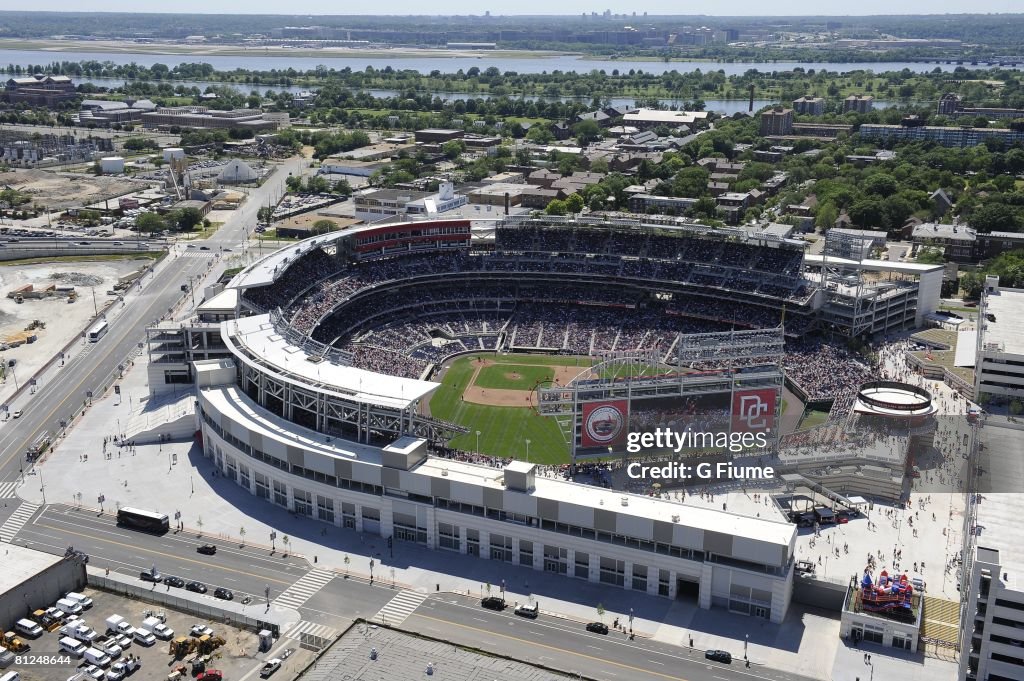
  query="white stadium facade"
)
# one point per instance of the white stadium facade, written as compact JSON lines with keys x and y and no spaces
{"x":312,"y":370}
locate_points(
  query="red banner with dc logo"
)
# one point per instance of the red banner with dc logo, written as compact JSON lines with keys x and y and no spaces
{"x":753,"y":411}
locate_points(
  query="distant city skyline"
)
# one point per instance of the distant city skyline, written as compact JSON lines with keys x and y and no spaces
{"x":463,"y":7}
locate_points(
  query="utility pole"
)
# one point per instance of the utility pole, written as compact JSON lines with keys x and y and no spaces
{"x":95,"y":307}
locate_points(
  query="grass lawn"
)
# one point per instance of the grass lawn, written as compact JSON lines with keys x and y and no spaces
{"x":503,"y":430}
{"x":812,"y":418}
{"x":141,"y":255}
{"x":513,"y":376}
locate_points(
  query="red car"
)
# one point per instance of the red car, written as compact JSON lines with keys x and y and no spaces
{"x":210,"y":675}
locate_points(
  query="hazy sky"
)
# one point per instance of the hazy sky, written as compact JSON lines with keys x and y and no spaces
{"x":709,"y":7}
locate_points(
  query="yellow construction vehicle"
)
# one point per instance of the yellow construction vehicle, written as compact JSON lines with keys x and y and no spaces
{"x":14,"y":644}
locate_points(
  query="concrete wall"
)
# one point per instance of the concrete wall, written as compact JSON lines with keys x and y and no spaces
{"x":9,"y":252}
{"x":40,"y":591}
{"x":818,"y":593}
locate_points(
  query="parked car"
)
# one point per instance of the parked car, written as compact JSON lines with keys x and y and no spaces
{"x":150,"y":575}
{"x":210,"y":675}
{"x":224,"y":594}
{"x":196,"y":587}
{"x":530,"y":610}
{"x":598,"y":627}
{"x":201,"y":630}
{"x":270,"y":667}
{"x":719,"y":656}
{"x":493,"y":603}
{"x":95,"y":672}
{"x":176,"y":582}
{"x":207,"y":549}
{"x":17,"y":414}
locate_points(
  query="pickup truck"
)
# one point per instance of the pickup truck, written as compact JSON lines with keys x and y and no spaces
{"x":269,"y":668}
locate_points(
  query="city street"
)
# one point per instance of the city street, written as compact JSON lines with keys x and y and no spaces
{"x":60,"y":398}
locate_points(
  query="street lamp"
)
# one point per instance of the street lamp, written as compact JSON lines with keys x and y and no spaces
{"x":746,"y":640}
{"x":527,"y":450}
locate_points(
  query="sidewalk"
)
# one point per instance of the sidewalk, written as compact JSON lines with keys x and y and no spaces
{"x":175,"y":476}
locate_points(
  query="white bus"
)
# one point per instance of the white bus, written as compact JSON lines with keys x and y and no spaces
{"x":99,"y":330}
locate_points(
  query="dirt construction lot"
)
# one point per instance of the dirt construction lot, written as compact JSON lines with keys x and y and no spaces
{"x":63,"y":321}
{"x":59,"y":191}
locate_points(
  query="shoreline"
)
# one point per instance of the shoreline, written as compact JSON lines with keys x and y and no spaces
{"x":199,"y":50}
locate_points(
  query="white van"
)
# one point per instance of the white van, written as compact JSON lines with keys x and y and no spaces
{"x":11,"y":676}
{"x":70,"y":645}
{"x":97,"y":657}
{"x":28,"y":628}
{"x":66,"y":605}
{"x":81,"y":599}
{"x":144,"y":637}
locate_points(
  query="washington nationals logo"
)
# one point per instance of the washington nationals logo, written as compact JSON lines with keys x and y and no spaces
{"x":604,"y":424}
{"x":753,"y":411}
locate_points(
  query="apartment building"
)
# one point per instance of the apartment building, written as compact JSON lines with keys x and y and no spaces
{"x":777,"y":121}
{"x":946,"y":136}
{"x":809,"y":106}
{"x":858,"y":103}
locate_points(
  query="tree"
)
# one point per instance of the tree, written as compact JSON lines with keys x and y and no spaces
{"x":556,"y":207}
{"x":199,"y":524}
{"x":827,"y":216}
{"x":286,"y":540}
{"x":600,"y":611}
{"x":574,"y":203}
{"x":342,"y":187}
{"x":241,"y":534}
{"x":453,"y":149}
{"x":1016,"y":407}
{"x":540,"y":134}
{"x":599,"y":166}
{"x":346,"y":560}
{"x":690,"y":182}
{"x":995,"y":217}
{"x":150,"y":222}
{"x":184,"y":219}
{"x":322,"y":227}
{"x":264,"y":214}
{"x":586,"y":131}
{"x":930,"y":255}
{"x":972,"y":283}
{"x":293,"y":183}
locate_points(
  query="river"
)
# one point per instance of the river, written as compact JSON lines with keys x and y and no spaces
{"x":267,"y":60}
{"x":722,"y":106}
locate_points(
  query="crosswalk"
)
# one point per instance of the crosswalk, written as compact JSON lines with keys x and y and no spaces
{"x":8,"y":489}
{"x":300,"y":592}
{"x":303,"y":627}
{"x":196,"y":254}
{"x":17,"y":521}
{"x":399,"y":608}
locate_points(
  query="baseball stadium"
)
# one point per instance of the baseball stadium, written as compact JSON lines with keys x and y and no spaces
{"x":412,"y":379}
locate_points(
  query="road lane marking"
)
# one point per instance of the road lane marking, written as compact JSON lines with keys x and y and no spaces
{"x":166,"y":555}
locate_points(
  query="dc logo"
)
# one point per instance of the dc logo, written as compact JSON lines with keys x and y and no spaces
{"x":604,"y":424}
{"x":753,"y":412}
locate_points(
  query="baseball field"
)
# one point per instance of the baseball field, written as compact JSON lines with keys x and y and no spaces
{"x":492,"y":394}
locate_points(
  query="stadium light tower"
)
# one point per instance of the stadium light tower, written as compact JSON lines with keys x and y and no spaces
{"x":478,"y":443}
{"x":527,"y":450}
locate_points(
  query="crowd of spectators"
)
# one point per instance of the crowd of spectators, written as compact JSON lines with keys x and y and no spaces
{"x":824,"y":370}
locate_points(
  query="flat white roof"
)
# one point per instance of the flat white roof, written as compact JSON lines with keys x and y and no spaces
{"x":224,"y":301}
{"x":291,"y":361}
{"x":874,"y":265}
{"x":659,"y":116}
{"x":263,"y":272}
{"x":966,"y":354}
{"x":239,"y":408}
{"x":759,"y":529}
{"x":1007,"y":306}
{"x":21,"y":564}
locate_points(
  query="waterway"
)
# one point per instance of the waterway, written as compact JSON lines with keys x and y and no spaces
{"x":722,"y":106}
{"x":259,"y":59}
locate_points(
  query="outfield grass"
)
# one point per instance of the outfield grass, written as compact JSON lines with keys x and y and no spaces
{"x":503,"y":430}
{"x":498,"y":376}
{"x":812,"y":418}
